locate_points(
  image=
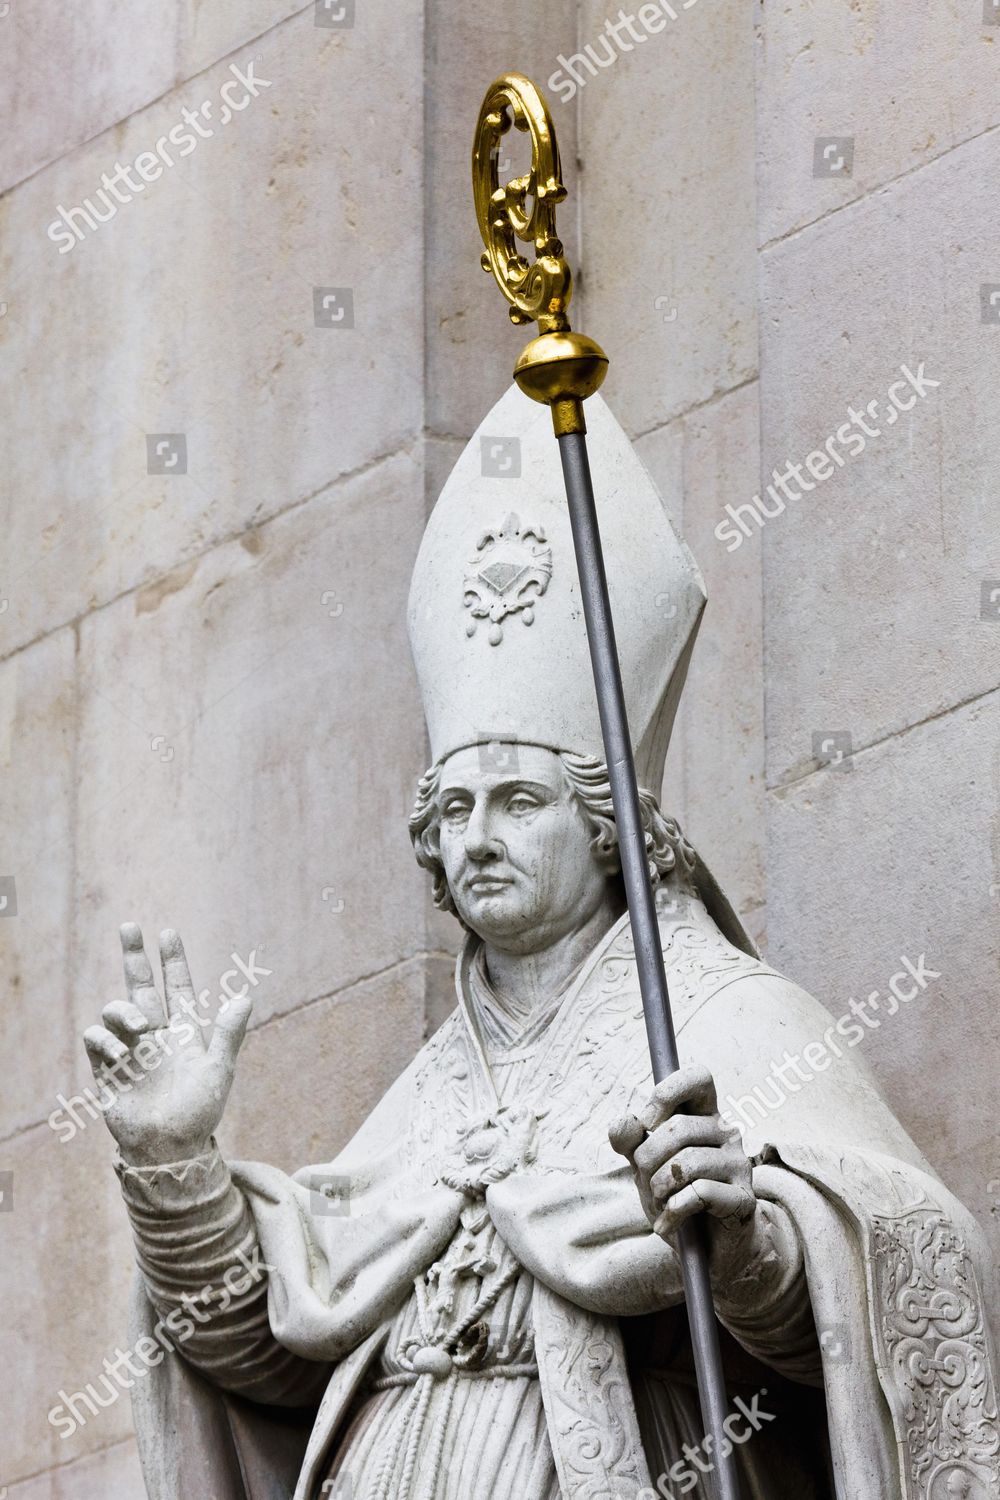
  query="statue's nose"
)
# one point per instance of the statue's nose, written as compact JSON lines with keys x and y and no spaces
{"x":480,"y":835}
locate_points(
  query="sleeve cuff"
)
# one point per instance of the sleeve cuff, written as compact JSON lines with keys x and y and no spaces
{"x":174,"y":1187}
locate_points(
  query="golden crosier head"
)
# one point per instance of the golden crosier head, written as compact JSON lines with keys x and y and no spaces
{"x":523,"y":209}
{"x":558,"y":367}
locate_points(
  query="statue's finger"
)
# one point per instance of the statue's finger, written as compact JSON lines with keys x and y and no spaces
{"x":177,"y":987}
{"x":230,"y":1029}
{"x":721,"y":1200}
{"x":626,"y":1135}
{"x":694,"y":1164}
{"x":662,"y":1144}
{"x":103,"y":1048}
{"x":125,"y":1020}
{"x":139,"y":982}
{"x":692,"y":1086}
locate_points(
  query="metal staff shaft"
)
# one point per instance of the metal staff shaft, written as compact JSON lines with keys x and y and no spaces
{"x":561,"y":369}
{"x":645,"y":930}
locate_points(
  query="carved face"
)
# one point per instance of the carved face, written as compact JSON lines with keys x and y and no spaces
{"x":516,"y":847}
{"x":959,"y":1485}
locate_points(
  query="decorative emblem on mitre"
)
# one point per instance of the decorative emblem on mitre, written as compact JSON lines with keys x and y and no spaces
{"x":510,"y":570}
{"x":538,"y":688}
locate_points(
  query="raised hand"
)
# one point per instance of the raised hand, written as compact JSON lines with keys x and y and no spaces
{"x":686,"y":1161}
{"x":163,"y":1089}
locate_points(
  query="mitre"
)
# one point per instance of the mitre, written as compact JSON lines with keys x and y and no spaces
{"x":495,"y":614}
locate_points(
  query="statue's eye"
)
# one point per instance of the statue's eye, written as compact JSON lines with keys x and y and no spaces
{"x":522,"y":803}
{"x":455,"y":812}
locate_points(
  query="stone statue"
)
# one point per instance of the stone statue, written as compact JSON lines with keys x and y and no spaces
{"x":479,"y":1297}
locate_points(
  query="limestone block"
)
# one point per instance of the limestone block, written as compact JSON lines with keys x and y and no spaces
{"x":668,"y":233}
{"x":250,"y":739}
{"x":439,"y":984}
{"x":38,"y":706}
{"x":878,"y":580}
{"x":234,"y":338}
{"x":106,"y":62}
{"x":65,"y":1269}
{"x":101,"y":63}
{"x":440,"y":457}
{"x":886,"y":88}
{"x":112,"y":1474}
{"x":306,"y":1081}
{"x":212,"y":29}
{"x":901,"y":858}
{"x":716,"y":763}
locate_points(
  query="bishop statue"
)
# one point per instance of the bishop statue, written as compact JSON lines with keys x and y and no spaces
{"x":479,"y":1296}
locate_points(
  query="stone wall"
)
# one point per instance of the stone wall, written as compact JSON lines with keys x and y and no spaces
{"x":881,"y":629}
{"x":811,"y":185}
{"x":229,"y":408}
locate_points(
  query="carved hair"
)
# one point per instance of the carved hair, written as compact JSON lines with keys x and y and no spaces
{"x":666,"y":847}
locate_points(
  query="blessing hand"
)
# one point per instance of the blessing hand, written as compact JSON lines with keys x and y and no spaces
{"x":167,"y":1086}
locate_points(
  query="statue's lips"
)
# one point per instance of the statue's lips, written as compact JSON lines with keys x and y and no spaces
{"x":483,"y":885}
